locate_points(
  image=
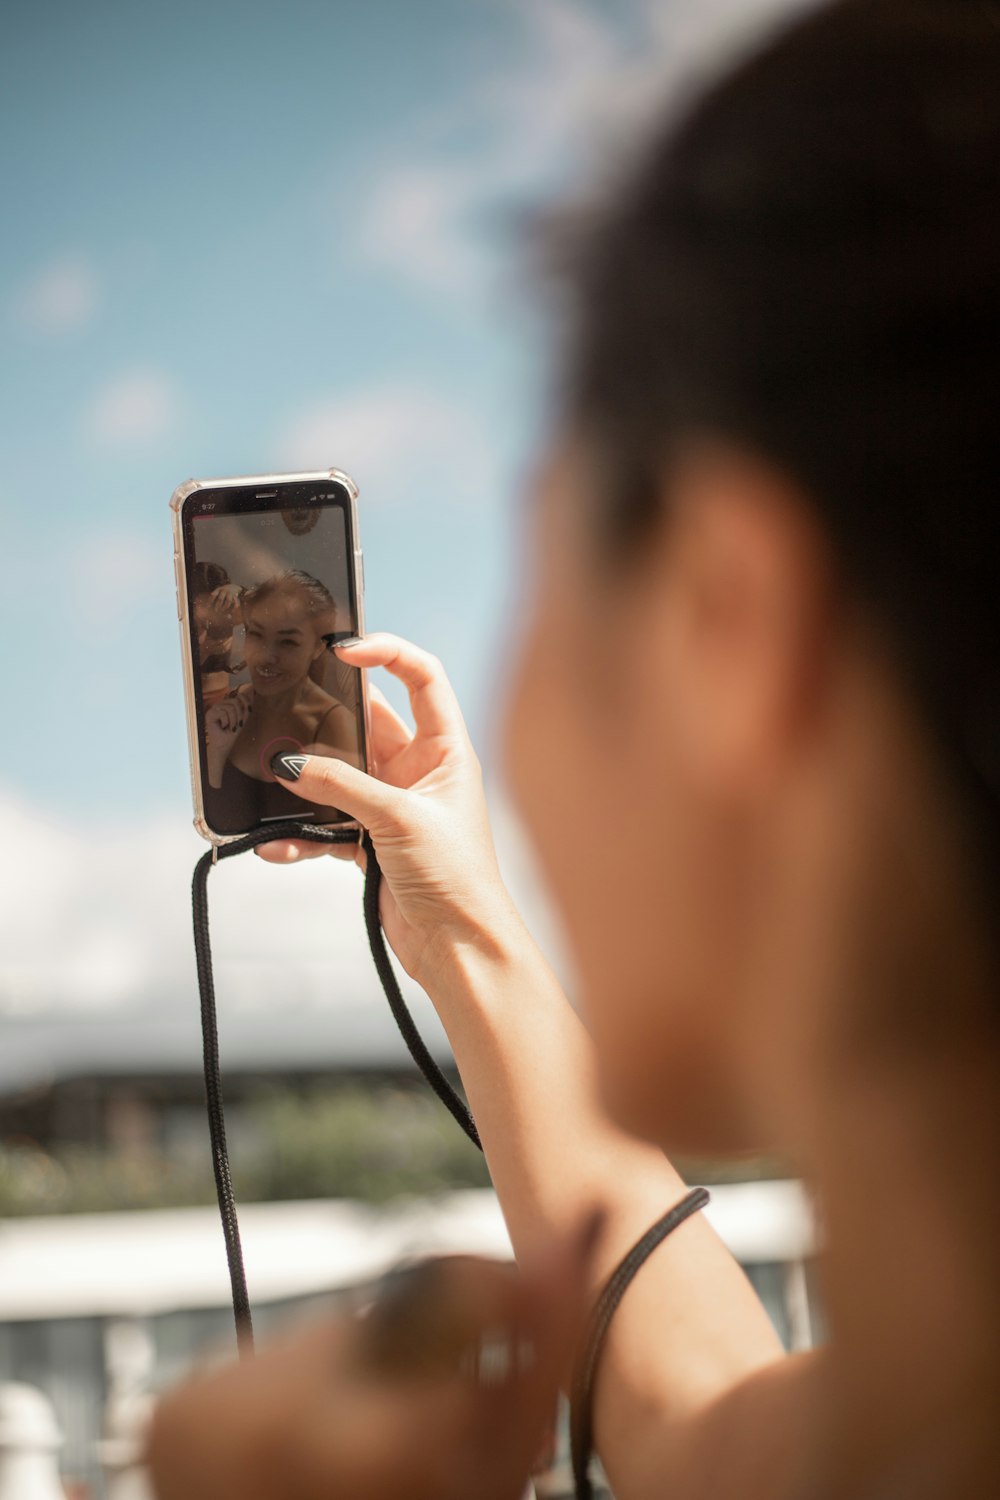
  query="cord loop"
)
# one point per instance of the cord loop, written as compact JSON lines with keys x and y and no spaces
{"x":581,"y":1408}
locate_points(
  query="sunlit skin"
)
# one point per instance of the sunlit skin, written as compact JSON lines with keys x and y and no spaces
{"x":759,"y":863}
{"x":659,"y":833}
{"x":281,"y":706}
{"x":281,"y":644}
{"x":766,"y":890}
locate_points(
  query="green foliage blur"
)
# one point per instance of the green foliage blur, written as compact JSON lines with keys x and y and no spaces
{"x":361,"y":1141}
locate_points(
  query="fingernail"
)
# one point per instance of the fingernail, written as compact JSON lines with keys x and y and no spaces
{"x":352,"y":640}
{"x":289,"y":767}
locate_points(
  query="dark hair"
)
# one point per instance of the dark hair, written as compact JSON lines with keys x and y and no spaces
{"x":809,"y":264}
{"x":206,"y":577}
{"x":317,"y":596}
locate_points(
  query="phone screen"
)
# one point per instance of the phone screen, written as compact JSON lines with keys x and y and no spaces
{"x":270,"y":585}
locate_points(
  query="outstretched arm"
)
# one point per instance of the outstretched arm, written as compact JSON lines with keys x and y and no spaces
{"x":690,"y":1331}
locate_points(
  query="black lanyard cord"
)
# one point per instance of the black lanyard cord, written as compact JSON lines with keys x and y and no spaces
{"x":452,"y":1101}
{"x":586,"y":1367}
{"x":210,"y":1050}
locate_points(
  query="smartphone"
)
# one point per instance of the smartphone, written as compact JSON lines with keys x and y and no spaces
{"x":269,"y":576}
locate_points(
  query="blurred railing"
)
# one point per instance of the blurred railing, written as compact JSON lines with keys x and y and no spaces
{"x":101,"y":1310}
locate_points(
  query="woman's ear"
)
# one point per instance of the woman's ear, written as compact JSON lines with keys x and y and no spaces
{"x":746,"y":593}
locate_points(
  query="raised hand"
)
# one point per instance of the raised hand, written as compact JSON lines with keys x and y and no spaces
{"x":425,"y":809}
{"x":224,"y":721}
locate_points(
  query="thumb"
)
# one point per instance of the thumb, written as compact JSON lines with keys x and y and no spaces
{"x":336,"y":783}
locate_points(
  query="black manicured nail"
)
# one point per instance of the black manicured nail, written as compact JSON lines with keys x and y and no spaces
{"x":289,"y":767}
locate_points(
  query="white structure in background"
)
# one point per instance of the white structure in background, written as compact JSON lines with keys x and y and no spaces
{"x":30,"y":1441}
{"x":130,"y":1360}
{"x":122,"y":1447}
{"x":138,"y":1264}
{"x":129,"y":1274}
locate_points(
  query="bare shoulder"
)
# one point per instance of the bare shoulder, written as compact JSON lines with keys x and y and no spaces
{"x":316,"y":701}
{"x":333,"y":726}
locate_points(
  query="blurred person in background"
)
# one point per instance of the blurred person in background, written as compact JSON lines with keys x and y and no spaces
{"x":215,"y":604}
{"x":774,"y":838}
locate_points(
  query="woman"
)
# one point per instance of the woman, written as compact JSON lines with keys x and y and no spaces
{"x":281,"y":708}
{"x":774,"y":468}
{"x":215,"y":603}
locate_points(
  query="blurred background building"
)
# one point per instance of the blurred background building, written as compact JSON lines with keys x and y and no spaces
{"x":242,"y":238}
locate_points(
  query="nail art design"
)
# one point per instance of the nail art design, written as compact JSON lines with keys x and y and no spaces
{"x":288,"y":767}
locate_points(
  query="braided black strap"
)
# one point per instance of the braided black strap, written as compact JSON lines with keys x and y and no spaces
{"x":584,"y":1376}
{"x":210,"y":1030}
{"x":581,"y":1416}
{"x":210,"y":1047}
{"x":415,"y":1043}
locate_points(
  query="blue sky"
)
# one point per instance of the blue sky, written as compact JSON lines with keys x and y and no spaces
{"x":194,"y":285}
{"x":242,"y":237}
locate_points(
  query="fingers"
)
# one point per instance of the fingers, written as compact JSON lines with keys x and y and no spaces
{"x":224,"y":717}
{"x":230,"y":713}
{"x":335,"y":783}
{"x":450,"y":1407}
{"x":291,"y":851}
{"x":389,"y":733}
{"x":226,"y":598}
{"x":435,"y":707}
{"x":239,"y":1430}
{"x":428,"y":1316}
{"x":461,"y":1337}
{"x":383,"y":709}
{"x":229,"y":717}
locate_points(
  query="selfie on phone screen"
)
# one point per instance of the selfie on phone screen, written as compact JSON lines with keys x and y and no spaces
{"x":269,"y":590}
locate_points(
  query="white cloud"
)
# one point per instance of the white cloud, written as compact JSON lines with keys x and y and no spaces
{"x":387,"y":436}
{"x":138,"y":406}
{"x":705,"y":33}
{"x":568,"y":83}
{"x":99,"y":918}
{"x":417,"y":212}
{"x":61,"y":298}
{"x":584,"y":81}
{"x":110,"y":574}
{"x":428,"y":216}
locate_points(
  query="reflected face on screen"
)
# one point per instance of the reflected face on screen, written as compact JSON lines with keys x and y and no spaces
{"x":281,"y":641}
{"x":266,"y":585}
